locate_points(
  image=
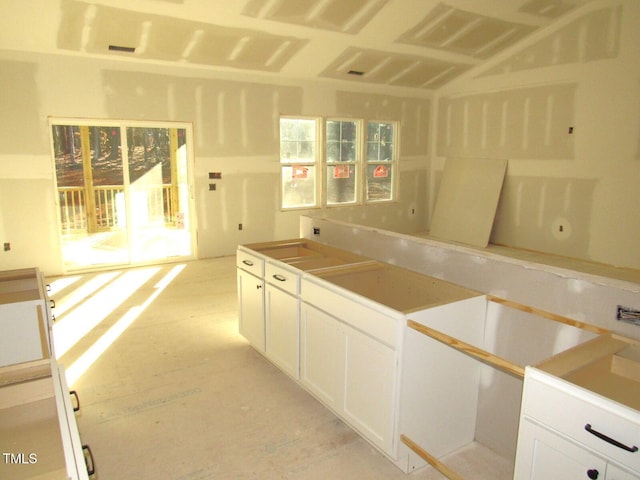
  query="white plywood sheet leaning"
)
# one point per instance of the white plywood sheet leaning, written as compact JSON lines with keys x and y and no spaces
{"x":467,"y":200}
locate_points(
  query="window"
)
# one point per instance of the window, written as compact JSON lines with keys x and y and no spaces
{"x":298,"y":159}
{"x":349,"y":176}
{"x":381,"y":163}
{"x":342,"y":158}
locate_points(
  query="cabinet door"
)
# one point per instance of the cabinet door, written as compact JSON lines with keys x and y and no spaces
{"x":24,"y":333}
{"x":322,"y":356}
{"x":282,"y":329}
{"x":251,"y":309}
{"x":544,"y":455}
{"x":370,"y":377}
{"x":615,"y":473}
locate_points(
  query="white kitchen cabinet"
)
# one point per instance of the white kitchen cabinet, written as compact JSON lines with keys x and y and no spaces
{"x":351,"y":372}
{"x":570,"y":432}
{"x":617,"y":473}
{"x":251,"y":309}
{"x":322,"y":356}
{"x":25,"y":317}
{"x":282,"y":313}
{"x":371,"y":371}
{"x":554,"y":456}
{"x":38,"y":426}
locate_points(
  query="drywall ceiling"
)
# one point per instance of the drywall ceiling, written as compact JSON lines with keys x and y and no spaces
{"x":420,"y":44}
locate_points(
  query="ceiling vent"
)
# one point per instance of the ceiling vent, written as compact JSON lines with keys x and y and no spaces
{"x":119,"y":48}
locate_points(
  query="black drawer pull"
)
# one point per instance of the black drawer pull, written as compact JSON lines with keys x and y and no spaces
{"x":278,"y":277}
{"x":610,"y":440}
{"x":76,"y":407}
{"x":248,"y":263}
{"x":88,"y":460}
{"x":52,"y":303}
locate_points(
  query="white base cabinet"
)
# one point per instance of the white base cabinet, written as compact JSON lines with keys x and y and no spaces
{"x":282,"y":329}
{"x":322,"y":362}
{"x":25,"y":317}
{"x":350,"y":372}
{"x":251,"y":309}
{"x":345,"y":348}
{"x":569,"y":432}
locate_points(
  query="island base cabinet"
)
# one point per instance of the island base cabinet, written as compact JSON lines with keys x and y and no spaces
{"x":322,"y":356}
{"x":251,"y":309}
{"x":282,"y":329}
{"x":350,"y":372}
{"x":370,"y":377}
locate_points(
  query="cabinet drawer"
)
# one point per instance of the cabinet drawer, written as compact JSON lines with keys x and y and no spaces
{"x":250,"y":263}
{"x":585,"y":417}
{"x":342,"y":306}
{"x":282,"y":278}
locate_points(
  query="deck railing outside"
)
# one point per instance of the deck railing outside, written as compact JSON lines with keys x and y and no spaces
{"x":73,"y":207}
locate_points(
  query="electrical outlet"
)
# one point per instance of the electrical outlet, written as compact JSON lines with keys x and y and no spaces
{"x":7,"y":246}
{"x":316,"y":230}
{"x":239,"y":226}
{"x":628,"y":315}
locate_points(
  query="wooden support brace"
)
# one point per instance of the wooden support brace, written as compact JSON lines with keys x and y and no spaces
{"x":551,"y":316}
{"x":483,"y":355}
{"x":433,"y":461}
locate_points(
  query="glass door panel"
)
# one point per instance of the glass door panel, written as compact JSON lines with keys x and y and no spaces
{"x":158,"y":192}
{"x":90,"y":182}
{"x":123,"y":194}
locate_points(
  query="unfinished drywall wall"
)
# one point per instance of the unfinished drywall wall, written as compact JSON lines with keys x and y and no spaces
{"x":19,"y":110}
{"x":532,"y":122}
{"x":236,"y":132}
{"x":563,"y":109}
{"x":549,"y":214}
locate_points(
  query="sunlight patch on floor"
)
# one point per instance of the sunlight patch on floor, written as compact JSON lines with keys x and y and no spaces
{"x":80,"y":366}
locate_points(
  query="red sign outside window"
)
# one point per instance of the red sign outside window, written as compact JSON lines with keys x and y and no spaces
{"x":381,"y":172}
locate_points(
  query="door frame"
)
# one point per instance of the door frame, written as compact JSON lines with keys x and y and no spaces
{"x":123,"y":124}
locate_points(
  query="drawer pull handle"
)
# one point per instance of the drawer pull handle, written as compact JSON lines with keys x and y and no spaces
{"x":593,"y":474}
{"x":610,"y":440}
{"x":52,"y":303}
{"x":73,"y":393}
{"x":88,"y":460}
{"x":248,"y":263}
{"x":280,"y":278}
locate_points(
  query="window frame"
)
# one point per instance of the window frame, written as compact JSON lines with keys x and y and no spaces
{"x":316,"y":163}
{"x":321,"y":163}
{"x":356,"y":163}
{"x":393,"y":163}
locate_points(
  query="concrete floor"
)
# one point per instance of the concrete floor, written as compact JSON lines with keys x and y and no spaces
{"x":169,"y":389}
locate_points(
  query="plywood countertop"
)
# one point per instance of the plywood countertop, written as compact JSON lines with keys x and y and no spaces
{"x":608,"y":365}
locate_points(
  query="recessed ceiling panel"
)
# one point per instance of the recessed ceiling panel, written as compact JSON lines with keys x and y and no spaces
{"x":454,"y":30}
{"x":347,"y":16}
{"x":547,"y":8}
{"x":92,"y":28}
{"x":392,"y":69}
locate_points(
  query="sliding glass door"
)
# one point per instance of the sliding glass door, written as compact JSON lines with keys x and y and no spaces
{"x":123,"y":193}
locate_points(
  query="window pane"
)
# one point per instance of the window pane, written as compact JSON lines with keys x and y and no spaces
{"x":341,"y":141}
{"x":297,"y":140}
{"x":379,"y":182}
{"x":298,"y":186}
{"x":341,"y":184}
{"x":380,"y":142}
